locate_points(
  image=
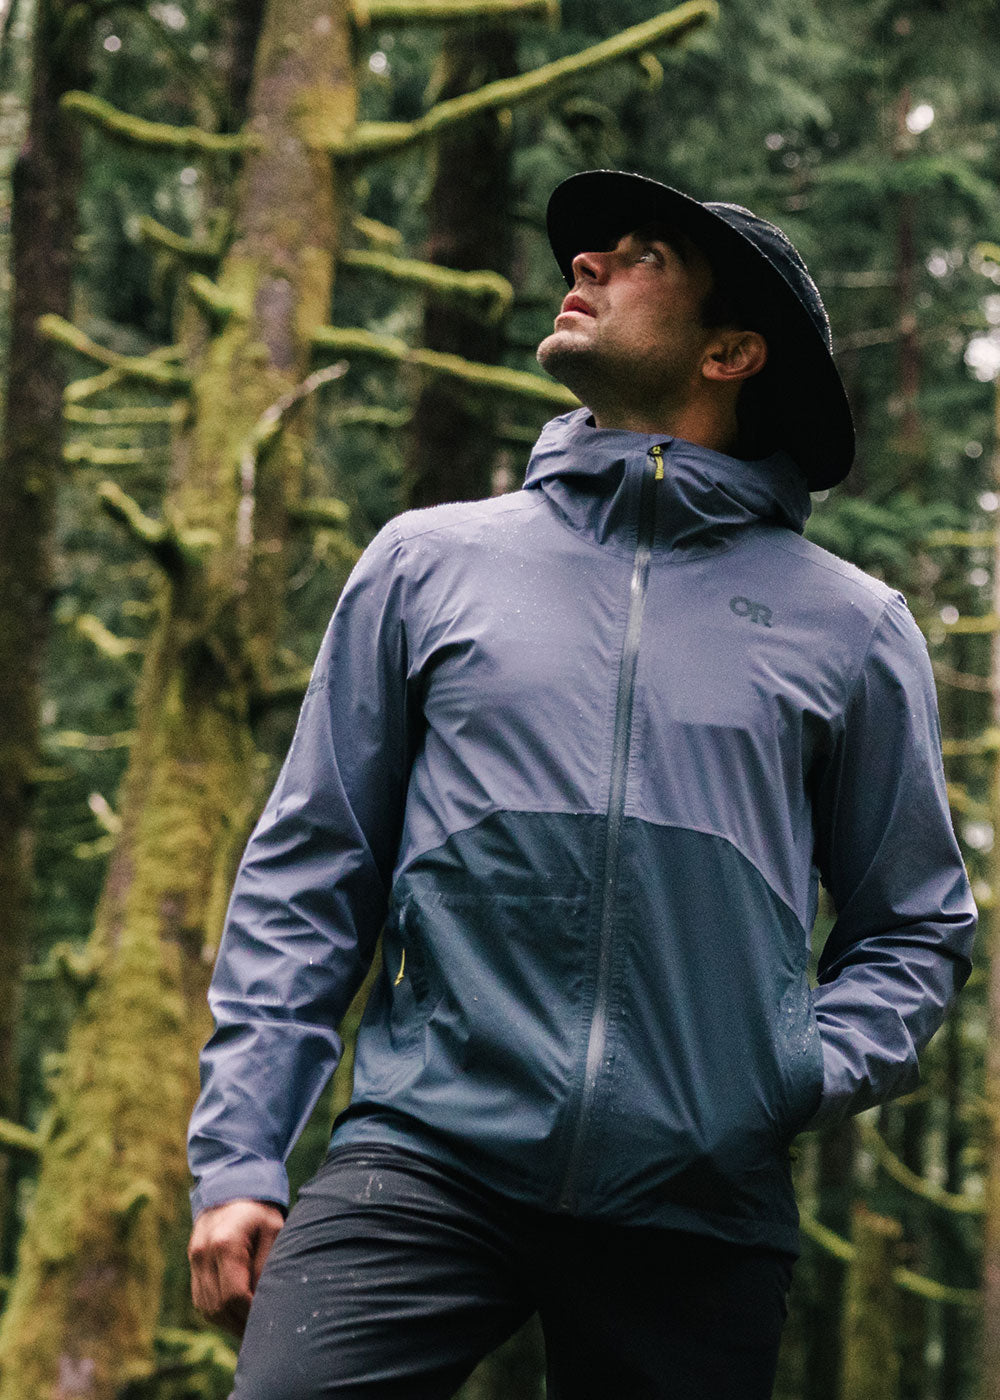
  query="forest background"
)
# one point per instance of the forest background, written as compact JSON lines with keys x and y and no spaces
{"x":268,"y":275}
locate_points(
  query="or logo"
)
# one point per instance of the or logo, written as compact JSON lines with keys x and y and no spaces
{"x":746,"y":607}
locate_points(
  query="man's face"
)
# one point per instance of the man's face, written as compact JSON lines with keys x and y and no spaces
{"x":631,"y":327}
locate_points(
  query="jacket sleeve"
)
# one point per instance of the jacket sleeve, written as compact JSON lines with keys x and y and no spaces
{"x":900,"y":948}
{"x":310,"y":897}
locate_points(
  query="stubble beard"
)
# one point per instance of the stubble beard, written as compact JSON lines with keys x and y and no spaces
{"x":571,"y":361}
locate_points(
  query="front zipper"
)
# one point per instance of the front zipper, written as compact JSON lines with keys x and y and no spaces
{"x":621,"y":744}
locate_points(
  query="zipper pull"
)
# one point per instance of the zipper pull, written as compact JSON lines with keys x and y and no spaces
{"x":399,"y":974}
{"x":656,"y":453}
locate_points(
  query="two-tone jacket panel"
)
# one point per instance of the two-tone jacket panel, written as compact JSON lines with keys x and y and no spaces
{"x":584,"y":751}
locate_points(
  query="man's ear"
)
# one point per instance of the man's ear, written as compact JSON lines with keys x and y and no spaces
{"x":734,"y":356}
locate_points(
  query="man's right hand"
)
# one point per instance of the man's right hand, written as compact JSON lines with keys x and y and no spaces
{"x":228,"y":1248}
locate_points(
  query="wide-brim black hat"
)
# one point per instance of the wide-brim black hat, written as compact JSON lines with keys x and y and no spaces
{"x":799,"y":394}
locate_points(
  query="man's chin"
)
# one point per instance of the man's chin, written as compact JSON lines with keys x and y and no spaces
{"x":568,"y":359}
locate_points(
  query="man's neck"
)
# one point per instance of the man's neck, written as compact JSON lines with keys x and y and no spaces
{"x":693,"y":424}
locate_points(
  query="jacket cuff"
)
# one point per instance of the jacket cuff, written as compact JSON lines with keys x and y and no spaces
{"x":246,"y":1181}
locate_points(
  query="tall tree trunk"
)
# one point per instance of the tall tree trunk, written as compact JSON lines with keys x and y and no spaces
{"x":870,"y":1369}
{"x":87,"y":1292}
{"x":991,"y":1244}
{"x":45,"y":185}
{"x":835,"y":1188}
{"x":449,"y":451}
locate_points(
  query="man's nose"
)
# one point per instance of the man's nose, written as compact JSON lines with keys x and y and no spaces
{"x":590,"y":267}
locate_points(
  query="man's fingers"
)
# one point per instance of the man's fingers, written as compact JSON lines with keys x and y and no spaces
{"x":266,"y":1237}
{"x":229,"y":1245}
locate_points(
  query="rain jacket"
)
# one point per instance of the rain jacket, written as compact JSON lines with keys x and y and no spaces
{"x":583,"y":752}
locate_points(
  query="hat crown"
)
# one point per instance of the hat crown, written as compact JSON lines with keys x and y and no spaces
{"x":783,"y":256}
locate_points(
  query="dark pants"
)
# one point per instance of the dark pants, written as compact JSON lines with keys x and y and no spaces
{"x":394,"y":1276}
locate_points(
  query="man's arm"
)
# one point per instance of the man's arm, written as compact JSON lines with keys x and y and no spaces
{"x":900,"y":948}
{"x":307,"y":906}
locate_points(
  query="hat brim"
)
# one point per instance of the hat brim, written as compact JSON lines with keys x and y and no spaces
{"x":805,"y":397}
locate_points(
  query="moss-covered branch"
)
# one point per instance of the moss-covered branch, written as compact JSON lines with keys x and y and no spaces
{"x":288,"y":692}
{"x":146,"y":369}
{"x":135,"y":417}
{"x":136,"y":131}
{"x":832,"y":1243}
{"x":213,"y":301}
{"x":87,"y":454}
{"x":82,"y":389}
{"x":78,"y":967}
{"x":193,"y":249}
{"x":490,"y":293}
{"x":156,"y":537}
{"x":498,"y":379}
{"x":369,"y":139}
{"x":903,"y":1175}
{"x":373,"y":416}
{"x":367,"y":13}
{"x":319,"y":510}
{"x":14,"y":1138}
{"x":960,"y":539}
{"x":382,"y":235}
{"x":93,"y":743}
{"x":106,"y":642}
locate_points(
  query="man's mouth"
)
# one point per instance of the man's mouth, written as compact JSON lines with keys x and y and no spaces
{"x":575,"y":303}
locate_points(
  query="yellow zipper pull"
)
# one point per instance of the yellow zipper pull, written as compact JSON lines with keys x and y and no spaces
{"x":399,"y":974}
{"x":656,"y":453}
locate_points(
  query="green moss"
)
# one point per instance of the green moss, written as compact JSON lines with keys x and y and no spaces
{"x":371,"y":139}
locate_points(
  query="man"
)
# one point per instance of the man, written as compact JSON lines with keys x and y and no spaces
{"x":581,"y":752}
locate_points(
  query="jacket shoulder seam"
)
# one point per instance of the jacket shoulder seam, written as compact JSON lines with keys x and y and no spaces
{"x":850,"y":573}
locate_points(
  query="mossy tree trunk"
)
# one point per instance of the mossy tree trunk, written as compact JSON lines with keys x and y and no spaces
{"x":111,"y":1189}
{"x":45,"y":184}
{"x":449,"y":449}
{"x":835,"y":1184}
{"x":870,"y":1366}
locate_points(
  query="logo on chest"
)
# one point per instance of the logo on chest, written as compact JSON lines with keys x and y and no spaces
{"x":755,"y":612}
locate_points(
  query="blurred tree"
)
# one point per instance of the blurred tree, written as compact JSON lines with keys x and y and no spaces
{"x":86,"y":1296}
{"x":45,"y":186}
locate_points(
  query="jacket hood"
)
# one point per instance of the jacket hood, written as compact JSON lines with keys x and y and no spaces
{"x":704,"y":494}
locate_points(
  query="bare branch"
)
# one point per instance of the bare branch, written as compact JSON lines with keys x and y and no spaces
{"x":264,"y":431}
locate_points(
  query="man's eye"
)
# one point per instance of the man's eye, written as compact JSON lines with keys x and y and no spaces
{"x":650,"y":255}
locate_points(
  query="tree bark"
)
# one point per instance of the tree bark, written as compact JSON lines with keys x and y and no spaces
{"x":86,"y":1297}
{"x":450,"y":444}
{"x":835,"y":1186}
{"x":871,"y":1362}
{"x":45,"y":185}
{"x":991,"y":1243}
